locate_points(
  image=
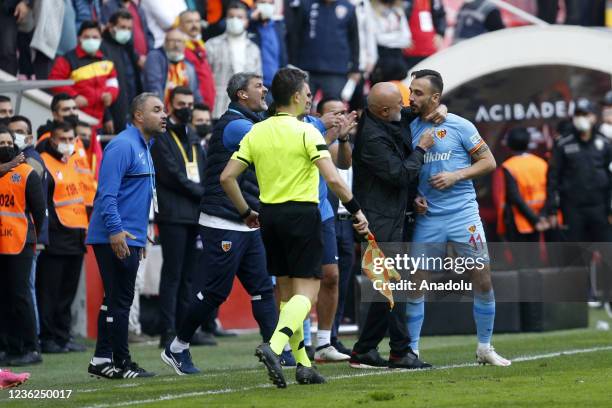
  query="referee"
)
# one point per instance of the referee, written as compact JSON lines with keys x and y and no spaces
{"x":286,"y":154}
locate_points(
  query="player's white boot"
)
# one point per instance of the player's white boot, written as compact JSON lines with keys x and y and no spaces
{"x":329,"y":354}
{"x":487,"y":355}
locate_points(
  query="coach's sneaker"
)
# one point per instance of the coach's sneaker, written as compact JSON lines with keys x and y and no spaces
{"x":410,"y":361}
{"x":487,"y":355}
{"x":104,"y":370}
{"x":130,"y":369}
{"x":10,"y":380}
{"x":371,"y":359}
{"x":287,"y":359}
{"x":272,"y":362}
{"x":329,"y":354}
{"x":181,"y":362}
{"x":308,"y":375}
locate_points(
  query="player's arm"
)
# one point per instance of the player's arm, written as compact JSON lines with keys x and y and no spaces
{"x":483,"y":163}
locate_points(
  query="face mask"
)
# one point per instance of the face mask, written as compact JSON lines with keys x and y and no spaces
{"x":203,"y":130}
{"x":175,"y":56}
{"x":71,"y":119}
{"x":20,"y":141}
{"x":122,"y":36}
{"x":91,"y":45}
{"x":606,"y":130}
{"x":234,"y":26}
{"x":183,"y":115}
{"x":582,"y":124}
{"x":266,"y":10}
{"x":7,"y":154}
{"x":65,"y":149}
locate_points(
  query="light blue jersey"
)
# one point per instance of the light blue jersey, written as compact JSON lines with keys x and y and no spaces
{"x":325,"y":207}
{"x":454,"y":142}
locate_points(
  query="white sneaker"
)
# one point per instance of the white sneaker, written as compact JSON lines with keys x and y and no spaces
{"x":489,"y":356}
{"x":329,"y":354}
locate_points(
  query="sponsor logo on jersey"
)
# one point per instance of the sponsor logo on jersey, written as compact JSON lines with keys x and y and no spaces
{"x":437,"y":156}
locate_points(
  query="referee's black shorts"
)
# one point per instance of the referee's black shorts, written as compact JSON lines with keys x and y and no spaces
{"x":291,"y":233}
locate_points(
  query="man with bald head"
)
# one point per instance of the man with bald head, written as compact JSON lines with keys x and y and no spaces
{"x":386,"y":173}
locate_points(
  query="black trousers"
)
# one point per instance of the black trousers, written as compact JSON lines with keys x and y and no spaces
{"x":346,"y":255}
{"x":8,"y":45}
{"x":57,"y":280}
{"x":17,"y":321}
{"x":119,"y":279}
{"x":587,"y":224}
{"x":178,"y":242}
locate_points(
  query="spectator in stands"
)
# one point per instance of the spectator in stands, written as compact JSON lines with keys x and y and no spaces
{"x":230,"y":53}
{"x":477,"y":17}
{"x":161,"y":16}
{"x":24,"y":140}
{"x":166,"y":68}
{"x":269,"y":34}
{"x":179,"y":173}
{"x":195,"y":52}
{"x":368,"y":50}
{"x":324,"y":40}
{"x":118,"y":47}
{"x":49,"y":27}
{"x":605,"y":128}
{"x":142,"y":37}
{"x":18,"y":345}
{"x":6,"y":107}
{"x":83,"y":133}
{"x":59,"y":265}
{"x":63,"y":109}
{"x":427,"y":20}
{"x":95,"y":77}
{"x":202,"y":122}
{"x":86,"y":10}
{"x":12,"y":12}
{"x":392,"y":31}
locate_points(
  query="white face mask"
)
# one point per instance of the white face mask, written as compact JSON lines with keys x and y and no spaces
{"x":582,"y":124}
{"x":175,"y":56}
{"x":20,"y":141}
{"x":65,"y":149}
{"x":266,"y":10}
{"x":234,"y":26}
{"x":91,"y":45}
{"x":123,"y":36}
{"x":606,"y":130}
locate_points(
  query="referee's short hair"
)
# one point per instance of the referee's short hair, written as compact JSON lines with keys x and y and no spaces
{"x":239,"y":82}
{"x":287,"y":82}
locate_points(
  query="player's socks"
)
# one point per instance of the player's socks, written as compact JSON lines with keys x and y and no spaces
{"x":264,"y":311}
{"x":484,"y":316}
{"x":178,"y":346}
{"x":297,"y":347}
{"x":307,"y":332}
{"x":415,"y":313}
{"x":323,"y":338}
{"x":290,"y":319}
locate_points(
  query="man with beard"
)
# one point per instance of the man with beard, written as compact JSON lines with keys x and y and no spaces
{"x":118,"y":232}
{"x":179,"y":172}
{"x":230,"y":248}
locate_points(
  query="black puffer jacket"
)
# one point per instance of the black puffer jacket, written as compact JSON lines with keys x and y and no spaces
{"x":386,"y":173}
{"x":215,"y":202}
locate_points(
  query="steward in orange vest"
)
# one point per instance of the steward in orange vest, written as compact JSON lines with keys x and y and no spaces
{"x":524,"y":192}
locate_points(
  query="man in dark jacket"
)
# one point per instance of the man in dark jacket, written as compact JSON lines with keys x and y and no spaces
{"x":230,"y":247}
{"x":386,"y":173}
{"x":118,"y":46}
{"x":179,"y":172}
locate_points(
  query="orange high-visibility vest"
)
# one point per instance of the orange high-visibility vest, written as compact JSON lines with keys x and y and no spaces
{"x":529,"y":171}
{"x":13,"y":217}
{"x":67,"y":196}
{"x":87,"y":182}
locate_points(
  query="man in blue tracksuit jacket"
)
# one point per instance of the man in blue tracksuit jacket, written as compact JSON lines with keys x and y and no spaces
{"x":118,"y":232}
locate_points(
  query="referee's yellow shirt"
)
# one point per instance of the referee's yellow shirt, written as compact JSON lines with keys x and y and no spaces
{"x":283,"y":151}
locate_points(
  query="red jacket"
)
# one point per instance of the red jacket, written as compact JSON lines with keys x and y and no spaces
{"x":92,"y":77}
{"x":195,"y":53}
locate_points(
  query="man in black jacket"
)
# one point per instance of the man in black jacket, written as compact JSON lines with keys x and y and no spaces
{"x":386,"y":173}
{"x":179,"y":174}
{"x":230,"y":247}
{"x":118,"y":46}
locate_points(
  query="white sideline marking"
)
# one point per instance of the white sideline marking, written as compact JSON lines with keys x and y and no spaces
{"x":345,"y":376}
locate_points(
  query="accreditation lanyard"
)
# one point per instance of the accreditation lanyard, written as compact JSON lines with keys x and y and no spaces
{"x":193,"y":173}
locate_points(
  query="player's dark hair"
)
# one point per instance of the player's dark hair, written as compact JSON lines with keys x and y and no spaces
{"x":434,"y":77}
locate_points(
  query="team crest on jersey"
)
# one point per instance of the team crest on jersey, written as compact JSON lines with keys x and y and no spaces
{"x":441,"y":133}
{"x":226,"y":245}
{"x":341,"y":12}
{"x":472,"y":229}
{"x":16,"y":178}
